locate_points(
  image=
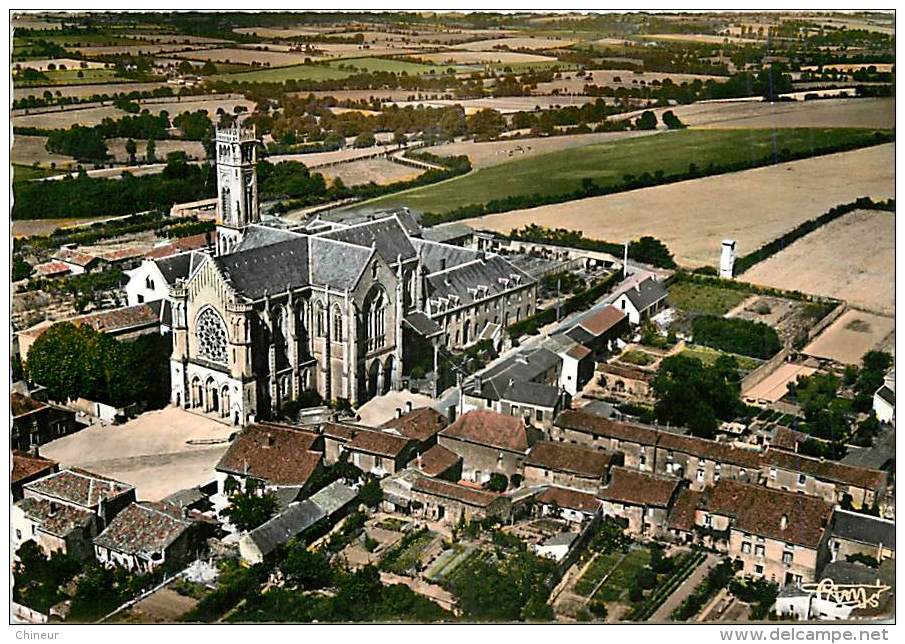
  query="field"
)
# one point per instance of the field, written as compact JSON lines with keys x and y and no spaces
{"x":502,"y":104}
{"x":136,"y":49}
{"x":705,"y":298}
{"x":272,"y":32}
{"x":607,"y":163}
{"x":29,"y":149}
{"x":851,"y":258}
{"x":280,"y":74}
{"x":572,"y":84}
{"x":248,"y":56}
{"x":117,"y":148}
{"x":380,"y":171}
{"x":525,"y":42}
{"x":708,"y":356}
{"x":851,"y":336}
{"x":86,"y":91}
{"x":843,"y":112}
{"x":491,"y":153}
{"x":45,"y":64}
{"x":483,"y":57}
{"x":29,"y":227}
{"x":692,"y":217}
{"x":28,"y":173}
{"x":710,"y":39}
{"x":72,"y":77}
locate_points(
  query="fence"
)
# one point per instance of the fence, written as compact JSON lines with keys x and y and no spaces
{"x":24,"y":614}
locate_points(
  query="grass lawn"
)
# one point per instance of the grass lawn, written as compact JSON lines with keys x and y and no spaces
{"x":708,"y":356}
{"x":636,"y":357}
{"x":617,"y":585}
{"x":607,"y":164}
{"x":596,"y":571}
{"x":27,"y":172}
{"x":705,"y":298}
{"x":71,"y":77}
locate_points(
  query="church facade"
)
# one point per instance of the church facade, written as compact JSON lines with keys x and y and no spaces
{"x":278,"y":311}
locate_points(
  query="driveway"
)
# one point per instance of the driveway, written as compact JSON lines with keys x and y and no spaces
{"x":661,"y":615}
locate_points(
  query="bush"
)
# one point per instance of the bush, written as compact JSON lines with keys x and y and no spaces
{"x":497,"y":483}
{"x":735,"y":335}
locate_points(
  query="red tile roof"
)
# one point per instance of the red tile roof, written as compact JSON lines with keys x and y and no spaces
{"x":179,"y":245}
{"x":26,"y":466}
{"x":711,"y":450}
{"x":593,"y":424}
{"x":377,"y":442}
{"x":454,"y":491}
{"x":75,"y":257}
{"x":419,"y":424}
{"x":344,"y":433}
{"x":436,"y":461}
{"x":578,"y":352}
{"x":486,"y":427}
{"x":572,"y":459}
{"x":831,"y":471}
{"x":143,"y":529}
{"x":682,"y":514}
{"x":55,"y":518}
{"x":637,"y":488}
{"x":570,"y":499}
{"x":21,"y":405}
{"x":773,"y":514}
{"x":119,"y":319}
{"x":602,"y":321}
{"x":80,"y":487}
{"x":48,"y":269}
{"x":278,"y":456}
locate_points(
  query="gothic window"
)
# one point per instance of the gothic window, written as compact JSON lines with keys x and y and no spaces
{"x":337,"y":324}
{"x":210,"y":331}
{"x":225,"y":202}
{"x":281,"y":336}
{"x":320,"y":319}
{"x":376,"y":320}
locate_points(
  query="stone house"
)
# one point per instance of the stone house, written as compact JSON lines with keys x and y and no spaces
{"x":449,"y":503}
{"x":565,"y":465}
{"x":144,"y":537}
{"x":420,"y":425}
{"x":636,"y":443}
{"x":641,"y":297}
{"x":488,"y":443}
{"x":568,"y":504}
{"x":27,"y":468}
{"x":644,"y":500}
{"x":379,"y":453}
{"x":599,"y":328}
{"x":703,"y":462}
{"x":438,"y":462}
{"x":35,"y":422}
{"x":853,"y":533}
{"x":830,"y":480}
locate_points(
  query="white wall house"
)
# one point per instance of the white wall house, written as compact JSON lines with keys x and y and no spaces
{"x":146,"y":284}
{"x":641,"y":298}
{"x":885,"y":399}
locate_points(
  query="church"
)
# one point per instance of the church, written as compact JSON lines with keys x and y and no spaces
{"x":281,"y":308}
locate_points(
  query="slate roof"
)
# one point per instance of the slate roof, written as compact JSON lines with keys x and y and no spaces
{"x":433,"y":254}
{"x":21,"y":405}
{"x":446,"y":232}
{"x":335,"y":264}
{"x":637,"y":488}
{"x":461,"y":282}
{"x":257,"y":236}
{"x":79,"y":487}
{"x":180,"y":265}
{"x":887,"y":395}
{"x":271,"y":268}
{"x":143,"y":529}
{"x":292,"y":521}
{"x":599,"y":426}
{"x":57,"y":519}
{"x":436,"y":461}
{"x":333,"y":498}
{"x":423,"y":325}
{"x":863,"y":528}
{"x":832,"y":471}
{"x":379,"y":443}
{"x":530,"y":393}
{"x":569,"y":499}
{"x":646,"y":293}
{"x":279,"y":456}
{"x":455,"y":492}
{"x":489,"y":428}
{"x":419,"y":424}
{"x":759,"y":511}
{"x":27,"y":465}
{"x":387,"y":236}
{"x":526,"y":365}
{"x":571,"y":459}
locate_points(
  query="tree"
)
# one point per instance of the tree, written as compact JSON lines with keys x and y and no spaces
{"x":21,"y":269}
{"x":497,"y":483}
{"x":485,"y":125}
{"x":647,"y":121}
{"x":305,"y":569}
{"x":371,"y":494}
{"x":151,"y":152}
{"x":672,"y":121}
{"x":365,"y":140}
{"x":692,"y":395}
{"x":131,"y":149}
{"x":250,"y":508}
{"x":650,"y":250}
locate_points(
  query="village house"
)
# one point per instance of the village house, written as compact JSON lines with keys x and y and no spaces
{"x":565,"y":465}
{"x":144,"y":537}
{"x":620,"y":380}
{"x":421,"y":425}
{"x":830,"y":480}
{"x":35,"y":422}
{"x":643,"y":500}
{"x":568,"y":504}
{"x":780,"y":536}
{"x":449,"y":503}
{"x":152,"y":279}
{"x":379,"y":453}
{"x":599,"y":328}
{"x":281,"y":458}
{"x":703,"y":462}
{"x":76,"y":261}
{"x":885,"y":399}
{"x":439,"y":463}
{"x":637,"y":444}
{"x":27,"y":468}
{"x":577,"y":362}
{"x":488,"y":443}
{"x":641,"y":297}
{"x":66,"y":510}
{"x":854,"y":533}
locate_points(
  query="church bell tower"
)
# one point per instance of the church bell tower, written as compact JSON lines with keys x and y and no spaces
{"x":237,"y":184}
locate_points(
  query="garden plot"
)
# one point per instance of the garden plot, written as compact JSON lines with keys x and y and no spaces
{"x":693,"y":217}
{"x":851,"y":336}
{"x":851,"y":258}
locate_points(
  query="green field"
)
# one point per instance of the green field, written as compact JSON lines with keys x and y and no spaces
{"x":607,"y":163}
{"x":692,"y":297}
{"x":332,"y":71}
{"x":708,"y":356}
{"x":597,"y":571}
{"x":27,"y":172}
{"x":616,"y":587}
{"x":71,"y":77}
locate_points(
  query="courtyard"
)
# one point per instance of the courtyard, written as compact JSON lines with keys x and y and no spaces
{"x":158,"y":452}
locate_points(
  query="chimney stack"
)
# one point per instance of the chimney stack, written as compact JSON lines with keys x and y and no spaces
{"x":442,"y":263}
{"x":398,"y":412}
{"x":625,"y":261}
{"x":408,"y":406}
{"x":784,"y":522}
